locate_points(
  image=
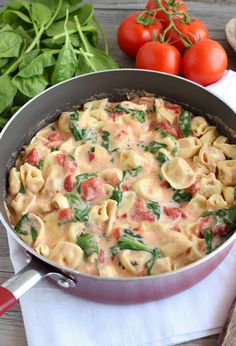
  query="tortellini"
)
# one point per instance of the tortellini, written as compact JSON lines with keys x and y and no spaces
{"x":134,"y":261}
{"x":67,"y":254}
{"x":210,"y":186}
{"x":209,"y":156}
{"x":31,"y":178}
{"x":227,"y":172}
{"x":14,"y":181}
{"x":188,"y":147}
{"x":164,"y":113}
{"x":148,"y":188}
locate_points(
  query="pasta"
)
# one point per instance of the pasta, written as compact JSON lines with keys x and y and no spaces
{"x":136,"y":188}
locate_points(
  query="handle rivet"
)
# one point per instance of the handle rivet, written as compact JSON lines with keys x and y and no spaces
{"x":63,"y":283}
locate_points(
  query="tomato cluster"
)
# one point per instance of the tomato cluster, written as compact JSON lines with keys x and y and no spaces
{"x":165,"y":37}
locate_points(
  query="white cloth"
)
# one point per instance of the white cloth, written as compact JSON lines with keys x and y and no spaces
{"x":55,"y":318}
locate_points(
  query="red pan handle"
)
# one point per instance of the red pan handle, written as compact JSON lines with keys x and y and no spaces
{"x":7,"y":300}
{"x":28,"y":277}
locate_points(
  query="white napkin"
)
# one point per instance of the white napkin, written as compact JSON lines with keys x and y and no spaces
{"x":55,"y":318}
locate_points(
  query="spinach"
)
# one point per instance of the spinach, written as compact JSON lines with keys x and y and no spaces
{"x":208,"y":237}
{"x":117,"y":195}
{"x":87,"y":243}
{"x":34,"y":233}
{"x":154,"y":147}
{"x":22,"y":189}
{"x":40,"y":165}
{"x":105,"y":139}
{"x":133,"y":172}
{"x":80,"y":207}
{"x":80,"y":133}
{"x":185,"y":123}
{"x":162,"y":158}
{"x":43,"y":43}
{"x":155,"y":255}
{"x":155,"y":208}
{"x":82,"y":177}
{"x":180,"y":196}
{"x":18,"y":227}
{"x":75,"y":116}
{"x":138,"y":114}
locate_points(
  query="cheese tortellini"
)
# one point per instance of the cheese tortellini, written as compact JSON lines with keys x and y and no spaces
{"x":124,"y":189}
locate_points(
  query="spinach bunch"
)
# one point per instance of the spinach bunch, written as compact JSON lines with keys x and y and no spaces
{"x":87,"y":243}
{"x":43,"y":43}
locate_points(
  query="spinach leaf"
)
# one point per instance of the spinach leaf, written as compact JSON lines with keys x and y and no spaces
{"x":154,"y":147}
{"x":40,"y":13}
{"x":34,"y":233}
{"x":22,"y":189}
{"x":155,"y":208}
{"x":133,"y":172}
{"x":185,"y":123}
{"x":40,"y":165}
{"x":3,"y":62}
{"x":129,"y":241}
{"x":80,"y":207}
{"x":75,"y":116}
{"x":162,"y":158}
{"x":10,"y":44}
{"x":117,"y":196}
{"x":155,"y":255}
{"x":82,"y":177}
{"x":20,"y":224}
{"x":31,"y":86}
{"x":87,"y":243}
{"x":27,"y":57}
{"x":105,"y":139}
{"x":208,"y":237}
{"x":138,"y":114}
{"x":180,"y":196}
{"x":11,"y":16}
{"x":80,"y":133}
{"x":37,"y":65}
{"x":7,"y":92}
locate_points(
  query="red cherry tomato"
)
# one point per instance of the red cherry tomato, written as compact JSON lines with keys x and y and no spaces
{"x":55,"y":137}
{"x":196,"y":31}
{"x":132,"y":35}
{"x":33,"y":157}
{"x":146,"y":215}
{"x":172,"y":7}
{"x":68,"y":183}
{"x":65,"y":214}
{"x":117,"y":232}
{"x":160,"y":57}
{"x":205,"y":62}
{"x":91,"y":188}
{"x":174,"y":213}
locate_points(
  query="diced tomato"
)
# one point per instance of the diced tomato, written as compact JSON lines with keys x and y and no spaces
{"x":176,"y":228}
{"x":61,"y":159}
{"x":117,"y":232}
{"x":164,"y":184}
{"x":91,"y":156}
{"x":174,"y":213}
{"x":220,"y":228}
{"x":195,"y":188}
{"x":33,"y":157}
{"x":53,"y":144}
{"x":65,"y":214}
{"x":113,"y":115}
{"x":114,"y":179}
{"x":139,"y":204}
{"x":68,"y":183}
{"x":55,"y":136}
{"x":204,"y":223}
{"x":91,"y":188}
{"x":125,"y":187}
{"x":137,"y":229}
{"x":173,"y":106}
{"x":165,"y":126}
{"x":71,"y":166}
{"x":179,"y":133}
{"x":124,"y":216}
{"x":146,"y":215}
{"x":101,"y":256}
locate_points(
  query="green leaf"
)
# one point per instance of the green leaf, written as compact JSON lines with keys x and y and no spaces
{"x":138,"y":114}
{"x":18,"y":4}
{"x":185,"y":123}
{"x":11,"y":16}
{"x":155,"y":208}
{"x":75,"y":116}
{"x":37,"y":65}
{"x":180,"y":196}
{"x":34,"y":233}
{"x":232,"y":213}
{"x":24,"y":34}
{"x":80,"y":207}
{"x":155,"y":255}
{"x":117,"y":196}
{"x":7,"y":92}
{"x":30,"y":86}
{"x":40,"y":13}
{"x":105,"y":139}
{"x":87,"y":243}
{"x":18,"y":227}
{"x":133,"y":172}
{"x":208,"y":237}
{"x":10,"y":44}
{"x":154,"y":147}
{"x":80,"y":133}
{"x":162,"y":158}
{"x":57,"y":28}
{"x":83,"y":177}
{"x":22,"y":189}
{"x":27,"y":57}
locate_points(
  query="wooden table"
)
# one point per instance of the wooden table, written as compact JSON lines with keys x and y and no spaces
{"x":215,"y":13}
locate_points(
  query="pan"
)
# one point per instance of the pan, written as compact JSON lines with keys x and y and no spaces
{"x":45,"y":108}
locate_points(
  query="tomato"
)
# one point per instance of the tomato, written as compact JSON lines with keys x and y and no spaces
{"x":61,"y":159}
{"x":172,"y":7}
{"x":117,"y":232}
{"x":146,"y":215}
{"x":220,"y":228}
{"x":68,"y":183}
{"x":195,"y":188}
{"x":205,"y":222}
{"x":174,"y":213}
{"x":165,"y":126}
{"x":132,"y":35}
{"x":91,"y":188}
{"x":70,"y":166}
{"x":205,"y":62}
{"x":65,"y":214}
{"x":55,"y":137}
{"x":91,"y":156}
{"x":33,"y":157}
{"x":160,"y":57}
{"x":195,"y":31}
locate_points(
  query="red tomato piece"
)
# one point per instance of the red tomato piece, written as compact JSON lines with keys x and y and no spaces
{"x":68,"y":183}
{"x":101,"y":256}
{"x":159,"y":56}
{"x":113,"y":115}
{"x":146,"y":215}
{"x":117,"y":232}
{"x":65,"y":214}
{"x":91,"y":189}
{"x":33,"y":157}
{"x":195,"y":188}
{"x":164,"y":184}
{"x":220,"y":228}
{"x":165,"y":126}
{"x":91,"y":156}
{"x":174,"y":213}
{"x":204,"y":223}
{"x":61,"y":159}
{"x":137,"y":229}
{"x":70,"y":166}
{"x":132,"y":34}
{"x":55,"y":137}
{"x":173,"y":106}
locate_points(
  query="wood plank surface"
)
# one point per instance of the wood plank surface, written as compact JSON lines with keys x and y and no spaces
{"x":215,"y":13}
